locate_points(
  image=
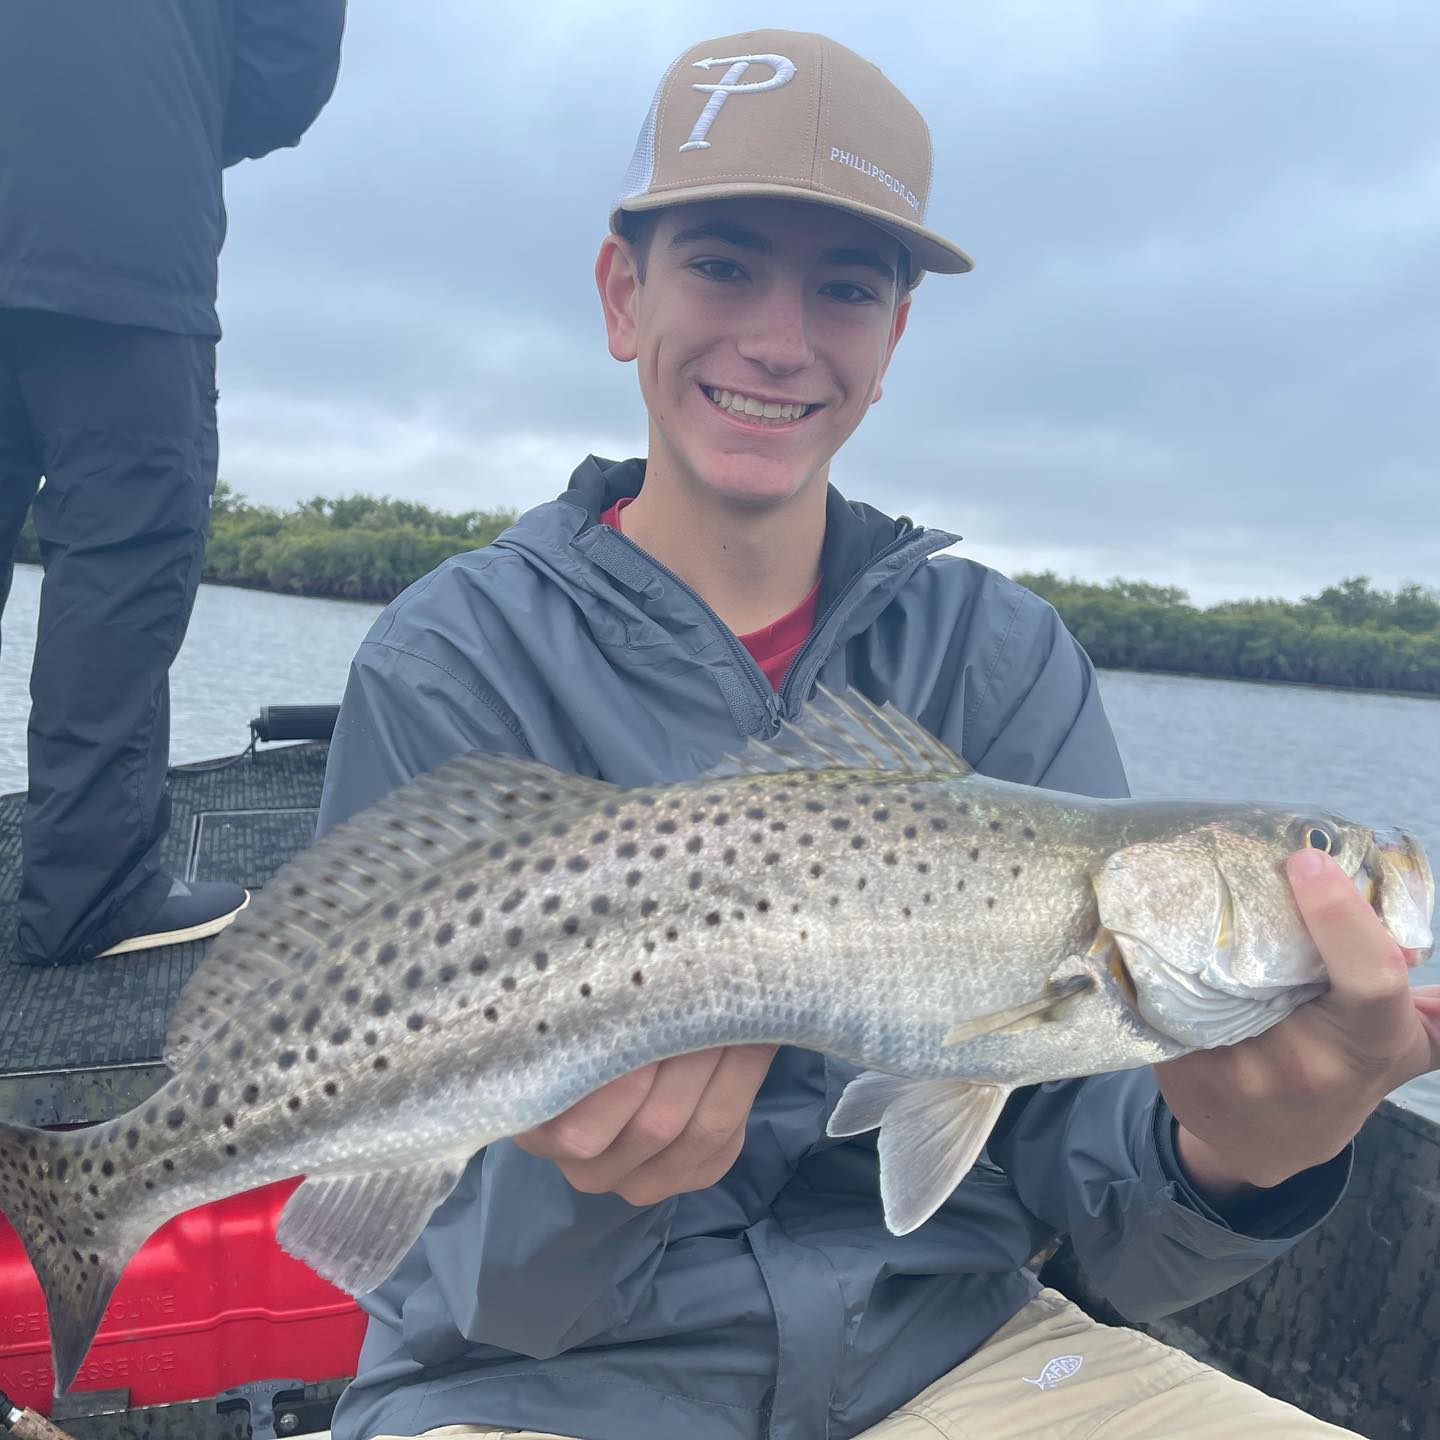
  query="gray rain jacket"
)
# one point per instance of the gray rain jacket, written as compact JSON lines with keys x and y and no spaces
{"x":775,"y":1303}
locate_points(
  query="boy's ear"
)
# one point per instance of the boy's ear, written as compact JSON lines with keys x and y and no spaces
{"x":619,"y":284}
{"x":897,"y":329}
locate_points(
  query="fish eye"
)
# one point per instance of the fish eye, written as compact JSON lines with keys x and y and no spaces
{"x":1318,"y":836}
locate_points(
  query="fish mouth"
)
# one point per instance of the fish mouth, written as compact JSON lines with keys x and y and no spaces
{"x":1396,"y":878}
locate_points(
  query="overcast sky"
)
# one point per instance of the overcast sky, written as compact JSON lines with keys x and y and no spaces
{"x":1201,"y":344}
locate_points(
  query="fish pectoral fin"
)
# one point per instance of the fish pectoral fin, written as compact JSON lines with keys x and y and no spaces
{"x":1042,"y":1007}
{"x":355,"y":1229}
{"x":931,"y":1134}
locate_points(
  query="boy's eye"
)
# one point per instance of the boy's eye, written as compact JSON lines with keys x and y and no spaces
{"x":848,"y":292}
{"x":717,"y":269}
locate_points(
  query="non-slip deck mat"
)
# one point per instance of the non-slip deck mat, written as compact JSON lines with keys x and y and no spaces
{"x":238,"y":822}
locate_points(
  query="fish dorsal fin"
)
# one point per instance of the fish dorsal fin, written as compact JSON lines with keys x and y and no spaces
{"x":846,"y":732}
{"x":931,"y":1133}
{"x":462,"y":805}
{"x":355,"y":1229}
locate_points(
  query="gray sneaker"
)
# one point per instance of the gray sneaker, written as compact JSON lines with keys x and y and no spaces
{"x":191,"y":911}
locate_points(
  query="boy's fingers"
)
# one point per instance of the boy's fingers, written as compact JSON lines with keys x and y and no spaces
{"x":590,"y":1125}
{"x":1367,"y":969}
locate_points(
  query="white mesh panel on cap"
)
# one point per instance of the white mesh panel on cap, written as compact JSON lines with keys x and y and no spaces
{"x":642,"y":162}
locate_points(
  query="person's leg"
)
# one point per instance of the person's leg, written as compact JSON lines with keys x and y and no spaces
{"x":126,"y":424}
{"x":1053,"y":1371}
{"x":19,"y":458}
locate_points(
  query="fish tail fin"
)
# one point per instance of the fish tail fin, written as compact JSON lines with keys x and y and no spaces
{"x":77,"y":1249}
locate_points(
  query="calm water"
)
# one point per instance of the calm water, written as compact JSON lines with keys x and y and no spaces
{"x":1374,"y":758}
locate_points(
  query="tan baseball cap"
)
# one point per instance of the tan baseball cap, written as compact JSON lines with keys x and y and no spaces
{"x":793,"y":115}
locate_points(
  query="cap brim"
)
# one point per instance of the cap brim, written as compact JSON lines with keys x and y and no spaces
{"x":930,"y":251}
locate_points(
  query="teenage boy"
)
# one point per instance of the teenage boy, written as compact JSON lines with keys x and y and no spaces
{"x":685,"y":1252}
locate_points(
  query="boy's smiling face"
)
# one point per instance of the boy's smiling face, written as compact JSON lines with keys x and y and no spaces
{"x":767,"y":302}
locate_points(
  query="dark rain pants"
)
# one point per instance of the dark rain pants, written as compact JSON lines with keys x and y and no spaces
{"x":121,"y":423}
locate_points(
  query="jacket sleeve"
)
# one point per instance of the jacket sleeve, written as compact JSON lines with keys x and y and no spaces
{"x":285,"y":57}
{"x":1095,"y":1158}
{"x":566,"y":1266}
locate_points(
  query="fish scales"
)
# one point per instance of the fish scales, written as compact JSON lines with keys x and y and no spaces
{"x":495,"y":941}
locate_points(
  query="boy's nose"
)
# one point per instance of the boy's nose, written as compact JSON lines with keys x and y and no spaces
{"x":778,"y":336}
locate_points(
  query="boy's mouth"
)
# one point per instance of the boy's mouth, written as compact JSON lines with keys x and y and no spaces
{"x":756,"y":409}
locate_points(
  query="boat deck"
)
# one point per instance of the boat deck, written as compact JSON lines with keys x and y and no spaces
{"x":83,"y":1042}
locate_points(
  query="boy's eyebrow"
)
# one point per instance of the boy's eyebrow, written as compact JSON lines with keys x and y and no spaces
{"x":743,"y":239}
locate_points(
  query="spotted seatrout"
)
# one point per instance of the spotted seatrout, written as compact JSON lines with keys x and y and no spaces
{"x":491,"y":943}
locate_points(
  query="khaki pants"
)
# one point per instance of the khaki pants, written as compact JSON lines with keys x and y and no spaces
{"x":1024,"y":1383}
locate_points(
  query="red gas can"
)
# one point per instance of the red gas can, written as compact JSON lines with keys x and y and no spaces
{"x":209,"y":1301}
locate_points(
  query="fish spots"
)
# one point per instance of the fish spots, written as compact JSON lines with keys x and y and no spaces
{"x":1015,"y":872}
{"x":540,"y":960}
{"x":694,"y":845}
{"x":633,"y":878}
{"x":231,"y":1149}
{"x":293,"y":1103}
{"x":297,"y":992}
{"x":755,"y":812}
{"x":890,"y":857}
{"x":311,"y":1020}
{"x":974,"y":852}
{"x":696,"y":879}
{"x":628,"y":823}
{"x":762,"y":906}
{"x":132,"y":1138}
{"x":174,"y":1118}
{"x":672,"y":933}
{"x":666,"y":827}
{"x":382,"y":1004}
{"x":390,"y":910}
{"x":599,"y":837}
{"x":637,"y":977}
{"x":236,"y":1050}
{"x":415,"y":1022}
{"x":910,"y":832}
{"x":279,"y":1024}
{"x":491,"y":1013}
{"x":648,"y":907}
{"x":545,"y":864}
{"x":600,"y":905}
{"x":657,"y":852}
{"x":387,"y":954}
{"x":379,"y":1063}
{"x":514,"y":936}
{"x":467,"y":891}
{"x":570,"y":924}
{"x":577,"y":864}
{"x":989,"y":902}
{"x":805,"y":839}
{"x":840,"y":822}
{"x":880,"y":813}
{"x":586,"y":991}
{"x":507,"y":982}
{"x":351,"y":995}
{"x":816,"y":870}
{"x":479,"y":964}
{"x":447,"y":973}
{"x":729,"y":854}
{"x":772,"y":857}
{"x":286,"y":1059}
{"x":995,"y":826}
{"x":414,"y":977}
{"x":512,"y":901}
{"x":228,"y":1119}
{"x":331,"y":1089}
{"x":857,"y":842}
{"x":541,"y":1027}
{"x":209,"y":1096}
{"x":959,"y":885}
{"x":713,"y":918}
{"x":938,"y":822}
{"x":628,"y":851}
{"x":445,"y":934}
{"x":861,"y":883}
{"x":814,"y":807}
{"x":250,"y":1094}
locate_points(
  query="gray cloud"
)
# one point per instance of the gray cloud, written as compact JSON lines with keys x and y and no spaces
{"x":1199,"y":345}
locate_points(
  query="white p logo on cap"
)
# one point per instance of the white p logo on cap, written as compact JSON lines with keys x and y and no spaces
{"x":729,"y":85}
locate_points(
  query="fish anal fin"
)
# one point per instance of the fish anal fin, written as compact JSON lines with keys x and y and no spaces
{"x":1045,"y":1006}
{"x":463,"y":804}
{"x":355,"y":1229}
{"x":931,"y":1134}
{"x":846,"y":732}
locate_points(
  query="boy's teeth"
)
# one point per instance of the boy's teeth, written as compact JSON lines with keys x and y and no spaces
{"x":753,"y":409}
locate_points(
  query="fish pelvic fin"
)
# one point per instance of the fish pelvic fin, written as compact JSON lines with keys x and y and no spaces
{"x":77,"y":1249}
{"x":931,"y":1134}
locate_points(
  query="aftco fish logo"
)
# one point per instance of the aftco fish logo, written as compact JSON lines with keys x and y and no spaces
{"x":730,"y":85}
{"x":1062,"y":1367}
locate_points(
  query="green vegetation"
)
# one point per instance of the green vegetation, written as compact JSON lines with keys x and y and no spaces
{"x":1349,"y":634}
{"x":356,"y":548}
